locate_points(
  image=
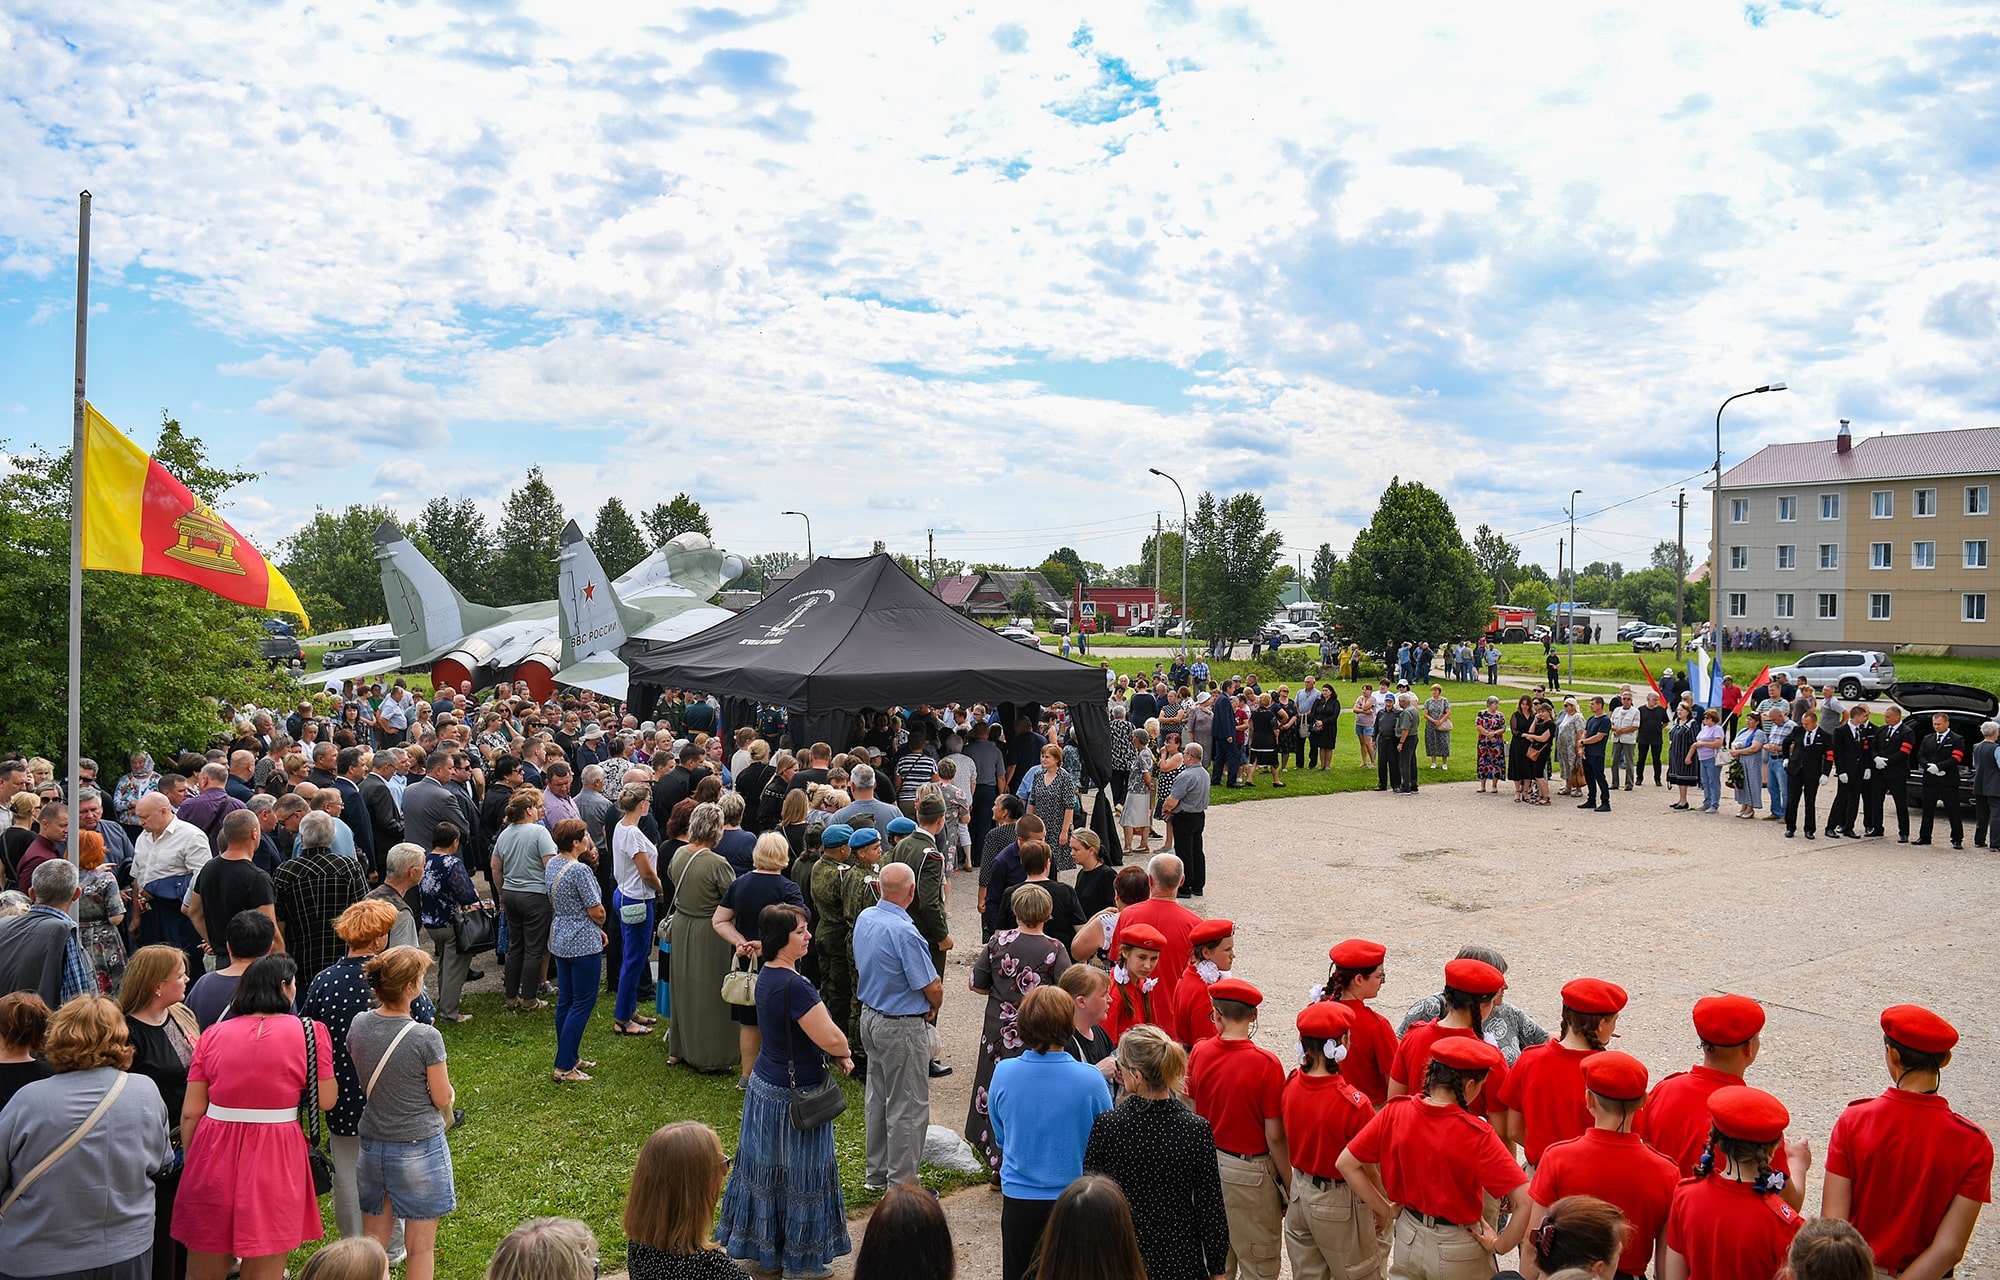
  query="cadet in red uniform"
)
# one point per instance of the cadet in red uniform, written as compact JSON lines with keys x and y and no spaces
{"x":1135,"y":994}
{"x":1371,"y":1043}
{"x":1329,"y":1231}
{"x":1675,"y":1119}
{"x":1728,"y":1221}
{"x":1213,"y":944}
{"x":1544,"y":1087}
{"x":1472,"y":990}
{"x":1609,"y":1161}
{"x":1238,"y":1087}
{"x":1424,"y":1161}
{"x":1908,"y":1171}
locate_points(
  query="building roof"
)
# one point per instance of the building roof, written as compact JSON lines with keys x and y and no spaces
{"x":1005,"y":581}
{"x":1293,"y":592}
{"x":1914,"y":455}
{"x":956,"y":590}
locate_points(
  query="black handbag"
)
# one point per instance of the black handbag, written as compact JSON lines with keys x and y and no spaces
{"x":473,"y":932}
{"x":819,"y":1105}
{"x":317,"y":1159}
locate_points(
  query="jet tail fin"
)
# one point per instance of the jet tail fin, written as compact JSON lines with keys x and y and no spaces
{"x":593,"y":619}
{"x":426,"y":611}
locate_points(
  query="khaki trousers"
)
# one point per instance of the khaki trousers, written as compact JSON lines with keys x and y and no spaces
{"x":1256,"y":1211}
{"x":1437,"y":1253}
{"x":1330,"y":1233}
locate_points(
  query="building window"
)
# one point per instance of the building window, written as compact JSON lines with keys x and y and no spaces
{"x":1829,"y":506}
{"x":1976,"y":500}
{"x":1878,"y":606}
{"x":1788,"y":508}
{"x":1923,"y":555}
{"x":1787,"y":605}
{"x":1975,"y":553}
{"x":1829,"y":605}
{"x":1882,"y":504}
{"x":1880,"y":557}
{"x":1788,"y":557}
{"x":1972,"y":607}
{"x":1926,"y":502}
{"x":1739,"y":510}
{"x":1739,"y":557}
{"x":1829,"y":555}
{"x":1739,"y":605}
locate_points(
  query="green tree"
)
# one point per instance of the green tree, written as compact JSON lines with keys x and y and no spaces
{"x":1410,"y":575}
{"x":616,"y":538}
{"x":1023,"y":601}
{"x":759,"y":570}
{"x":1325,"y":566}
{"x":1170,"y":565}
{"x":1497,"y":558}
{"x":531,"y":523}
{"x":454,"y":536}
{"x":157,"y":654}
{"x":1593,"y":589}
{"x":1078,"y":571}
{"x":668,"y":520}
{"x":1532,"y":593}
{"x":1059,"y":575}
{"x":333,"y":559}
{"x":1668,"y":555}
{"x":1232,"y":566}
{"x":1646,"y":594}
{"x":1535,"y":573}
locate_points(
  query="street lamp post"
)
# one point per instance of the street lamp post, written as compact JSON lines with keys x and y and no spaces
{"x":1573,"y":493}
{"x":809,"y":532}
{"x":1715,"y":545}
{"x":1184,"y":556}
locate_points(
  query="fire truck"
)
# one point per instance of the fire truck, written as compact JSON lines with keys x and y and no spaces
{"x":1511,"y":625}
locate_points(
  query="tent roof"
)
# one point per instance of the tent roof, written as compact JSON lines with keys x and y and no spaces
{"x":852,"y":633}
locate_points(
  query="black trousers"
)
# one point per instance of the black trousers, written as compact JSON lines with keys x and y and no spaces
{"x":1021,"y":1226}
{"x":1652,"y":749}
{"x":1847,"y":805}
{"x":1890,"y":785}
{"x":1386,"y":774}
{"x":1985,"y":826}
{"x":983,"y":796}
{"x":1188,"y":847}
{"x":1407,"y":758}
{"x":1942,"y":791}
{"x":1597,"y":791}
{"x":1804,"y":799}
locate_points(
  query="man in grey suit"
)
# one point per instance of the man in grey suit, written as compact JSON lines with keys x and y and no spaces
{"x":1986,"y":786}
{"x":429,"y":800}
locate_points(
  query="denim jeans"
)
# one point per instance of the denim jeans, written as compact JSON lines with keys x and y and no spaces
{"x":1774,"y":784}
{"x":1711,"y":784}
{"x":576,"y":999}
{"x":638,"y":943}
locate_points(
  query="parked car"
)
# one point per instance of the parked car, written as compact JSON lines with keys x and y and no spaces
{"x":1852,"y":672}
{"x":1631,"y":629}
{"x":280,"y":645}
{"x":1652,"y":639}
{"x":1021,"y":635}
{"x":1150,"y":627}
{"x":1292,"y":633}
{"x":1968,"y":708}
{"x":366,"y":651}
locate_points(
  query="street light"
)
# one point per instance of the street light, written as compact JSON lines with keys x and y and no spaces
{"x":1573,"y":493}
{"x":1715,"y":552}
{"x":1184,"y":555}
{"x":809,"y":531}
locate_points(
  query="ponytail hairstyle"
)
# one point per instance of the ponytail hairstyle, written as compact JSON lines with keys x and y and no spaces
{"x":1313,"y":1054}
{"x":1742,"y":1151}
{"x":1439,"y":1076}
{"x":1456,"y":999}
{"x":1588,"y":1025}
{"x":1576,"y":1232}
{"x":1338,"y":980}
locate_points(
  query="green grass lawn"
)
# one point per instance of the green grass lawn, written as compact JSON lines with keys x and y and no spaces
{"x":532,"y":1148}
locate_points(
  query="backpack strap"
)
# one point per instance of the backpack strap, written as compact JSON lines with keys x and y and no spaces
{"x":390,"y":1052}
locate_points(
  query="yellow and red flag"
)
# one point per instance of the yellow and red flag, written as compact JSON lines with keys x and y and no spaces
{"x":138,"y":519}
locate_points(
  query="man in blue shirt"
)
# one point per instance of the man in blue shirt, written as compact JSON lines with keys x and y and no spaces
{"x":900,"y":992}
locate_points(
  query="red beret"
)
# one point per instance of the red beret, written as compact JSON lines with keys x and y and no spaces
{"x":1210,"y":931}
{"x":1748,"y":1114}
{"x":1727,"y":1020}
{"x":1918,"y":1028}
{"x":1466,"y":1053}
{"x":1325,"y":1020}
{"x":1618,"y":1076}
{"x":1357,"y":953}
{"x":1593,"y":996}
{"x":1235,"y":989}
{"x":1475,"y":977}
{"x":1143,"y":936}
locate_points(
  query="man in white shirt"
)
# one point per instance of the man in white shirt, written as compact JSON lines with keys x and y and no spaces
{"x":165,"y":860}
{"x":1624,"y":738}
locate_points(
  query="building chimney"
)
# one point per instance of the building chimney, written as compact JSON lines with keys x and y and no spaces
{"x":1844,"y":442}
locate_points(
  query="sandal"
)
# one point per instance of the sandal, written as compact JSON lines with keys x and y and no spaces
{"x":628,"y":1029}
{"x":645,"y":1019}
{"x":570,"y":1077}
{"x":585,"y":1064}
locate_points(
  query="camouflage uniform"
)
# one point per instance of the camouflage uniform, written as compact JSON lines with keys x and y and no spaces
{"x":860,"y":889}
{"x":830,"y":939}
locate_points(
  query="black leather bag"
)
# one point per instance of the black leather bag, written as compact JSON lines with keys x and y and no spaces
{"x":813,"y":1107}
{"x":473,"y":932}
{"x":316,"y":1156}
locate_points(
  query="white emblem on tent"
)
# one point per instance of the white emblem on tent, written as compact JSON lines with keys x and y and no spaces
{"x":805,"y":602}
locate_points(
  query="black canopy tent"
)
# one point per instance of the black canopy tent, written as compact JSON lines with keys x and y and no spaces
{"x":847,"y":635}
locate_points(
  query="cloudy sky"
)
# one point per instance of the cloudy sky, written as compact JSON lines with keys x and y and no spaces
{"x":974,"y":271}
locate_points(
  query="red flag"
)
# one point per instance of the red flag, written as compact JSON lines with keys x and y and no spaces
{"x":1651,"y":681}
{"x":1737,"y":696}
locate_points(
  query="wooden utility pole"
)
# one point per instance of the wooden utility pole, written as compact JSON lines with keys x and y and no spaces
{"x":1680,"y":567}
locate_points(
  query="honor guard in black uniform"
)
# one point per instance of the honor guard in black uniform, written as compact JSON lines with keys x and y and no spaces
{"x":1941,"y":754}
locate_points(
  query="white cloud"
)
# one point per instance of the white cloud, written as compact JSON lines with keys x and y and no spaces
{"x":331,"y":393}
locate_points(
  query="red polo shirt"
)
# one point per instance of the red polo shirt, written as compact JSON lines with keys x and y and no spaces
{"x":1545,"y":1085}
{"x":1131,"y":1006}
{"x":1909,"y":1155}
{"x":1437,"y":1160}
{"x":1192,"y":1007}
{"x":1371,"y":1052}
{"x":1414,"y":1055}
{"x":1175,"y":922}
{"x":1617,"y":1168}
{"x":1236,"y":1085}
{"x":1675,"y":1120}
{"x":1322,"y":1113}
{"x":1726,"y":1231}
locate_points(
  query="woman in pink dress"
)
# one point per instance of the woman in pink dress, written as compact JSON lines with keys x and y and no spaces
{"x":247,"y":1189}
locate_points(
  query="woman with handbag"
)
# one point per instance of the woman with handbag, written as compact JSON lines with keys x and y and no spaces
{"x":1437,"y":728}
{"x":576,"y":942}
{"x":405,"y":1170}
{"x":745,"y":900}
{"x":446,"y":898}
{"x":163,"y":1033}
{"x":633,"y":863}
{"x":701,"y":1034}
{"x":251,"y":1185}
{"x":77,"y":1152}
{"x":783,"y":1207}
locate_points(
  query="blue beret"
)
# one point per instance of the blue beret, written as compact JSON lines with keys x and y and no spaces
{"x":901,"y":826}
{"x":862,"y":838}
{"x":835,"y":835}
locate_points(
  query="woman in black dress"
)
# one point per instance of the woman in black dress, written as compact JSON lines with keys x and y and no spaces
{"x":1324,"y":724}
{"x":1263,"y":739}
{"x":1520,"y":770}
{"x":1683,"y":770}
{"x":162,"y":1032}
{"x":1162,"y":1155}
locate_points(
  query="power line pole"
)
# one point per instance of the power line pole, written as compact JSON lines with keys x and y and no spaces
{"x":1680,"y":568}
{"x":1159,"y":529}
{"x":931,"y":539}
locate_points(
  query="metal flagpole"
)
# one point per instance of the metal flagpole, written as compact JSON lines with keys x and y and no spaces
{"x":76,"y":524}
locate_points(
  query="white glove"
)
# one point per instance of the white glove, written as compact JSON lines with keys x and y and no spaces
{"x":1934,"y":771}
{"x":1881,"y":762}
{"x":1843,"y":778}
{"x":1867,"y":773}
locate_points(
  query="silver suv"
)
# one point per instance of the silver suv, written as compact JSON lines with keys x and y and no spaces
{"x":1851,"y":671}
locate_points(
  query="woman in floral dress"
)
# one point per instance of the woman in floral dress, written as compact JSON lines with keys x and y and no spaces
{"x":1011,"y":964}
{"x":100,"y":911}
{"x":1492,"y":730}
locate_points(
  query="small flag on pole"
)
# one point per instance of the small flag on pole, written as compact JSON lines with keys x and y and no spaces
{"x":1705,"y":679}
{"x":138,"y":519}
